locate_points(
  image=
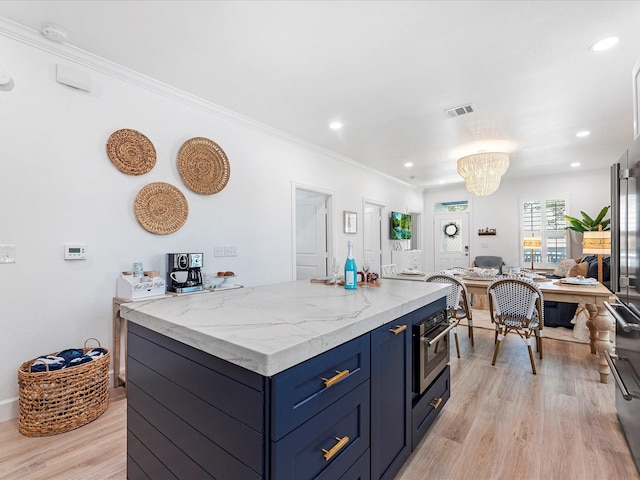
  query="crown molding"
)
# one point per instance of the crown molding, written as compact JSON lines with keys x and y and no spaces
{"x":33,"y":38}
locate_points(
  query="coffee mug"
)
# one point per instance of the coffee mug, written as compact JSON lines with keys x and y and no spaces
{"x":180,"y":276}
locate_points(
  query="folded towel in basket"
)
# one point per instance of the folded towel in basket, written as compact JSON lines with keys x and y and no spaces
{"x":53,"y":362}
{"x":96,"y":352}
{"x":71,"y":354}
{"x":66,"y":358}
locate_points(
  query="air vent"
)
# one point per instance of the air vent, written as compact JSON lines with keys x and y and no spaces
{"x":457,"y":111}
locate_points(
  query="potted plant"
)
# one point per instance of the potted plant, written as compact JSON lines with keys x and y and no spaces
{"x":588,"y":224}
{"x":577,"y":227}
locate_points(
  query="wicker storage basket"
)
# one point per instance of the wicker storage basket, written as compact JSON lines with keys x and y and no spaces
{"x":57,"y":401}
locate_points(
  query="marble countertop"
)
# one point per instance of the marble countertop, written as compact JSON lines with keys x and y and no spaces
{"x":270,"y":328}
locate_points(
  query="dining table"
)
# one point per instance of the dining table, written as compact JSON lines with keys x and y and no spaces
{"x":593,"y":296}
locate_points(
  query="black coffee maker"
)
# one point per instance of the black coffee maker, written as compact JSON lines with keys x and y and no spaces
{"x":184,"y":272}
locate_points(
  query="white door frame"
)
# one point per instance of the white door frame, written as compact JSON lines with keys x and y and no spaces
{"x":330,"y":234}
{"x":381,"y":206}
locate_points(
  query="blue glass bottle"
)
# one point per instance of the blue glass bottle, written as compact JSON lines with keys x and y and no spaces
{"x":350,"y":269}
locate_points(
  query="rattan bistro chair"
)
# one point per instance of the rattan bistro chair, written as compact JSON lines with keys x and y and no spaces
{"x":517,"y":305}
{"x":457,"y":304}
{"x":388,"y":270}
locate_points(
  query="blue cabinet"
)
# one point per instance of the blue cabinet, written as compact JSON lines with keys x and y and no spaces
{"x":327,"y":445}
{"x":299,"y":393}
{"x":390,"y":398}
{"x":347,"y":414}
{"x":429,"y":405}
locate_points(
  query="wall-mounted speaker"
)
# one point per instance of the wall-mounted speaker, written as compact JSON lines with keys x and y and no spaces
{"x":73,"y":78}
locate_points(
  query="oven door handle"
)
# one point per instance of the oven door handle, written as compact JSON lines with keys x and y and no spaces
{"x":442,"y":334}
{"x":623,"y":388}
{"x":627,"y":327}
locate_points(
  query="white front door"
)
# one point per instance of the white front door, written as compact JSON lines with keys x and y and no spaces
{"x":451,"y":240}
{"x":311,"y":235}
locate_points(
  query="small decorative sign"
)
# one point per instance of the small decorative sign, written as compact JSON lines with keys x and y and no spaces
{"x":487,"y":231}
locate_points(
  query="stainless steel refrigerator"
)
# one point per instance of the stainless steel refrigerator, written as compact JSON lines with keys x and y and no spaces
{"x":625,"y":244}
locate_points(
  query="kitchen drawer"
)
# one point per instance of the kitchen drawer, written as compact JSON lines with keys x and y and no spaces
{"x":361,"y":470}
{"x":301,"y":392}
{"x":314,"y":450}
{"x":428,"y":407}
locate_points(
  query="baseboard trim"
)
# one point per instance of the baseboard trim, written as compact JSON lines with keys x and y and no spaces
{"x":8,"y":409}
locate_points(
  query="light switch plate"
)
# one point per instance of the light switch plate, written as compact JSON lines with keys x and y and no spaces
{"x":7,"y":254}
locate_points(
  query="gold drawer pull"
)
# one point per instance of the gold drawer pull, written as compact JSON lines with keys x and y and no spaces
{"x":336,"y":448}
{"x":336,"y":378}
{"x":436,"y":403}
{"x":398,"y":329}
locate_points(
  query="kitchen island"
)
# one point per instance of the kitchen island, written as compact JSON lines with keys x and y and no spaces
{"x":293,"y":380}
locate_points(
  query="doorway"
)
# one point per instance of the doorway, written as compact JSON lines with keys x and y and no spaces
{"x":451,"y":240}
{"x":372,"y":234}
{"x":311,"y":234}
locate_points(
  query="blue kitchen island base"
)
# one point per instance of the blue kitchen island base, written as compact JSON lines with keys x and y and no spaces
{"x":346,"y":413}
{"x":191,"y":415}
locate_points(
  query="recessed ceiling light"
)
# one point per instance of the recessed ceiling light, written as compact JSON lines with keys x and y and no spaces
{"x":604,"y":44}
{"x":583,"y":133}
{"x":575,"y":164}
{"x":335,"y":125}
{"x":54,"y":33}
{"x":408,"y":164}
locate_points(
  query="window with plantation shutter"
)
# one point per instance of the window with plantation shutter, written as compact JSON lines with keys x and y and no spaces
{"x":544,"y":219}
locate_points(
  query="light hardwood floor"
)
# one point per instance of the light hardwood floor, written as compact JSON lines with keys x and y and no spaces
{"x":501,"y":422}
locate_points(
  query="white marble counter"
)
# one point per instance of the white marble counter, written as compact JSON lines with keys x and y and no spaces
{"x":270,"y":328}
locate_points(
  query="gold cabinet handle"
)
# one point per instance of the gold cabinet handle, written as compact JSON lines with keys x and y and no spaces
{"x":336,"y":378}
{"x":436,"y":403}
{"x":336,"y":448}
{"x":398,"y":329}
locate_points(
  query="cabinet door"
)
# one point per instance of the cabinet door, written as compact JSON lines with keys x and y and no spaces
{"x":390,"y":398}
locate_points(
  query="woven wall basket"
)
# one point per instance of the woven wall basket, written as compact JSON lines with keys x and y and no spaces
{"x":161,"y":208}
{"x":131,"y":152}
{"x":203,"y":165}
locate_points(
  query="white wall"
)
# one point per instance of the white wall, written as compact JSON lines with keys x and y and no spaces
{"x":586,"y":191}
{"x":59,"y":186}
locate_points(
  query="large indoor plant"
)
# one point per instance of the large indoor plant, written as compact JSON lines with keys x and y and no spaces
{"x":577,"y":227}
{"x":588,"y":224}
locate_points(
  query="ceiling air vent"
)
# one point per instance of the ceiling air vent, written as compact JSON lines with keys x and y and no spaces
{"x":457,"y":111}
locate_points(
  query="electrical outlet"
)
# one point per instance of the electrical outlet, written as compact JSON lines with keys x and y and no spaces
{"x":218,"y":251}
{"x":230,"y":251}
{"x":7,"y":254}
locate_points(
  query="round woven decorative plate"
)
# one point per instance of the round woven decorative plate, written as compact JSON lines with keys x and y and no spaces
{"x":161,"y":208}
{"x":131,"y":151}
{"x":203,"y":165}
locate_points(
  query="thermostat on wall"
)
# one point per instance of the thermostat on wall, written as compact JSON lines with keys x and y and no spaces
{"x":75,"y":252}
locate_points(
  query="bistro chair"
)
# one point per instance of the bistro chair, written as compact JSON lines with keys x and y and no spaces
{"x":457,"y":304}
{"x":458,"y":270}
{"x":488,"y":261}
{"x":516,"y":305}
{"x":388,"y":270}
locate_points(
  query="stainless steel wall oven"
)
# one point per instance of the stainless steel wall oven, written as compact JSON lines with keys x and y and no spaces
{"x":430,"y":349}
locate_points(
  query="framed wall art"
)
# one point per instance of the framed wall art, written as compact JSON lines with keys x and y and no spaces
{"x":350,"y":222}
